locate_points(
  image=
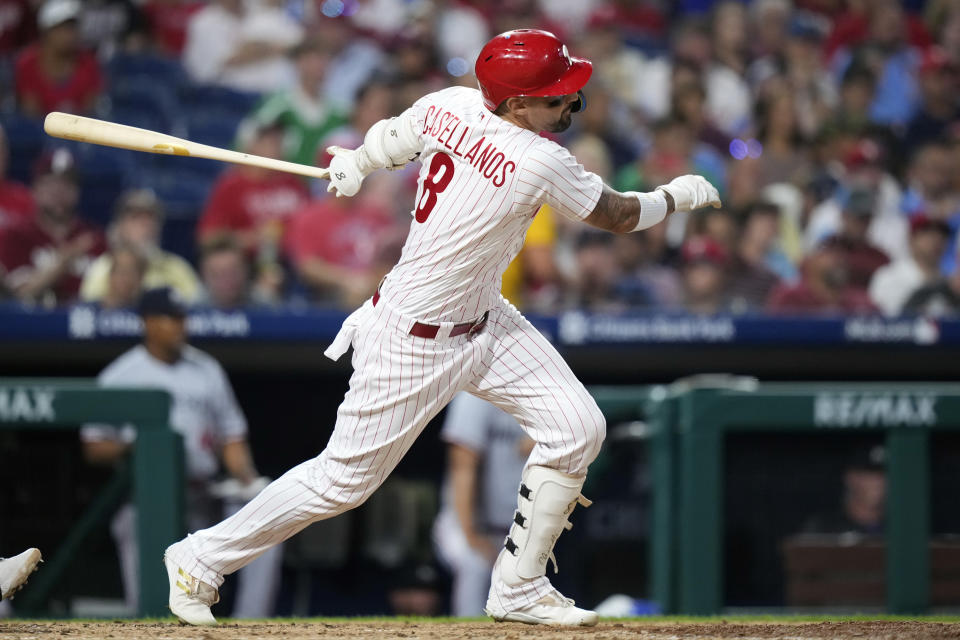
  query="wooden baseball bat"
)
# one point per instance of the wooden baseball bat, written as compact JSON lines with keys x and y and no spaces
{"x":111,"y":134}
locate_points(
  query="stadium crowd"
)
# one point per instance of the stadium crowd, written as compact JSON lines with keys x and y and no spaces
{"x":830,"y":127}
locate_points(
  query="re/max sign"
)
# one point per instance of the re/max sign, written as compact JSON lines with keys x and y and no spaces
{"x":20,"y":404}
{"x":853,"y":410}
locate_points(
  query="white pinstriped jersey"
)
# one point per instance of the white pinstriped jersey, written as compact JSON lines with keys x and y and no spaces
{"x":481,"y":182}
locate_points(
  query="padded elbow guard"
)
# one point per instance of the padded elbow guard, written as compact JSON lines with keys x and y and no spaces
{"x":391,"y":143}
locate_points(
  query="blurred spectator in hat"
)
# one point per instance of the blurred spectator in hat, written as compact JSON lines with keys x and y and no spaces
{"x":933,"y":189}
{"x":939,"y":107}
{"x":228,"y":279}
{"x":861,"y":257}
{"x":893,"y":284}
{"x":55,"y":74}
{"x":246,"y":49}
{"x":341,"y":249}
{"x":301,"y":110}
{"x":756,"y":256}
{"x":18,"y":28}
{"x":824,"y":287}
{"x":863,"y":498}
{"x":125,"y":278}
{"x":110,"y":26}
{"x":16,"y":201}
{"x":888,"y":53}
{"x":863,"y":167}
{"x":251,"y":204}
{"x":137,"y":226}
{"x":704,"y":276}
{"x":168,"y":20}
{"x":46,"y":257}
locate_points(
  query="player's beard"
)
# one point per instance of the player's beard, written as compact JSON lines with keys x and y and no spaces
{"x":563,"y":123}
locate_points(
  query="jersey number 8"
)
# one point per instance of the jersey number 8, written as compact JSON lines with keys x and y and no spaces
{"x":440,"y":175}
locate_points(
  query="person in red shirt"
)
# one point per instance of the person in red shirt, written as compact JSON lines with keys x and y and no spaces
{"x":861,"y":257}
{"x":168,"y":23}
{"x":54,"y":74}
{"x":43,"y":260}
{"x":341,"y":249}
{"x":824,"y":288}
{"x":250,"y":204}
{"x":16,"y":202}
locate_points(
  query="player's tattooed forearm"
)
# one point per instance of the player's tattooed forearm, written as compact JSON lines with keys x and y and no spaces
{"x":615,"y":212}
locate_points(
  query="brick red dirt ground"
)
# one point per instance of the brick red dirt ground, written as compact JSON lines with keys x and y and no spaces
{"x":635,"y":630}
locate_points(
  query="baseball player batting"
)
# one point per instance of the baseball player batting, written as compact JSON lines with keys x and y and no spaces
{"x":438,"y":325}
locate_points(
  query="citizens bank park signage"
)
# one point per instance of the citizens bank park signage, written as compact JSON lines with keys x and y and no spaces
{"x":850,"y":410}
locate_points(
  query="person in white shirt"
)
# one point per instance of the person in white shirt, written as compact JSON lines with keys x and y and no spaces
{"x":205,"y":412}
{"x":893,"y":284}
{"x":486,"y":450}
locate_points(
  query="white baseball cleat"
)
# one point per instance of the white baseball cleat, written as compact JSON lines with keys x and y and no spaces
{"x":553,"y":609}
{"x":15,"y":571}
{"x":190,"y":599}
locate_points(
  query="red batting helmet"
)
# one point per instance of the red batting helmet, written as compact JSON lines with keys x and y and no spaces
{"x":528,"y":62}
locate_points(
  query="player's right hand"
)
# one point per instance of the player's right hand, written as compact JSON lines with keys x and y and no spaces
{"x":345,"y":174}
{"x":691,"y":192}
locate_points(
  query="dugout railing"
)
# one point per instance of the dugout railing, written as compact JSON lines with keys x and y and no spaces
{"x":689,"y":424}
{"x":157,"y":471}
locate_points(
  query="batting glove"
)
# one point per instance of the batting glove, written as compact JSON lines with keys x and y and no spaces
{"x":691,"y":192}
{"x":345,"y":172}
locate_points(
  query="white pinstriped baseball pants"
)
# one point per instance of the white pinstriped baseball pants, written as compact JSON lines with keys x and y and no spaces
{"x":400,"y":382}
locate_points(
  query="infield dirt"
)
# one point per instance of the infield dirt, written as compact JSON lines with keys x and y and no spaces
{"x":638,"y":630}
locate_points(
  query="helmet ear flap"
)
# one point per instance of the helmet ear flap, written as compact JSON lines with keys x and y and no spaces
{"x":580,"y":104}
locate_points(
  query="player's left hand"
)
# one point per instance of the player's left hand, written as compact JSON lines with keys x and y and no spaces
{"x":692,"y":192}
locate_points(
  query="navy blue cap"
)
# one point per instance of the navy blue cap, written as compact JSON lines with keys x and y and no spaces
{"x":162,"y":301}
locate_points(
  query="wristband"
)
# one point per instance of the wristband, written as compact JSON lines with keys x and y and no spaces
{"x":653,"y":208}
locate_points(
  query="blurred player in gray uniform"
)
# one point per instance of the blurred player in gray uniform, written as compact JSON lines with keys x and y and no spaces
{"x":206,"y":414}
{"x":486,"y":453}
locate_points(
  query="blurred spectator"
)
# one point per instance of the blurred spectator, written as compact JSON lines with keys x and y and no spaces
{"x":355,"y":60}
{"x":17,"y":25}
{"x":109,"y":26}
{"x":861,"y":257}
{"x":704,"y":276}
{"x":622,"y":64}
{"x":752,"y":274}
{"x":240,"y":48}
{"x":252,"y":204}
{"x":46,"y":257}
{"x":941,"y":298}
{"x":486,"y":451}
{"x":729,"y":95}
{"x":888,"y":54}
{"x":301,"y":110}
{"x":784,"y":156}
{"x":934,"y":190}
{"x":125,"y":278}
{"x":55,"y":74}
{"x":228,"y":284}
{"x":136,"y":226}
{"x":532,"y":280}
{"x":168,"y":21}
{"x":852,"y":26}
{"x":863,"y":498}
{"x":893,"y":285}
{"x":342,"y":248}
{"x":16,"y":202}
{"x":939,"y":107}
{"x":597,"y":273}
{"x":824,"y":287}
{"x":857,"y":90}
{"x":648,"y":273}
{"x":689,"y":104}
{"x":863,"y":169}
